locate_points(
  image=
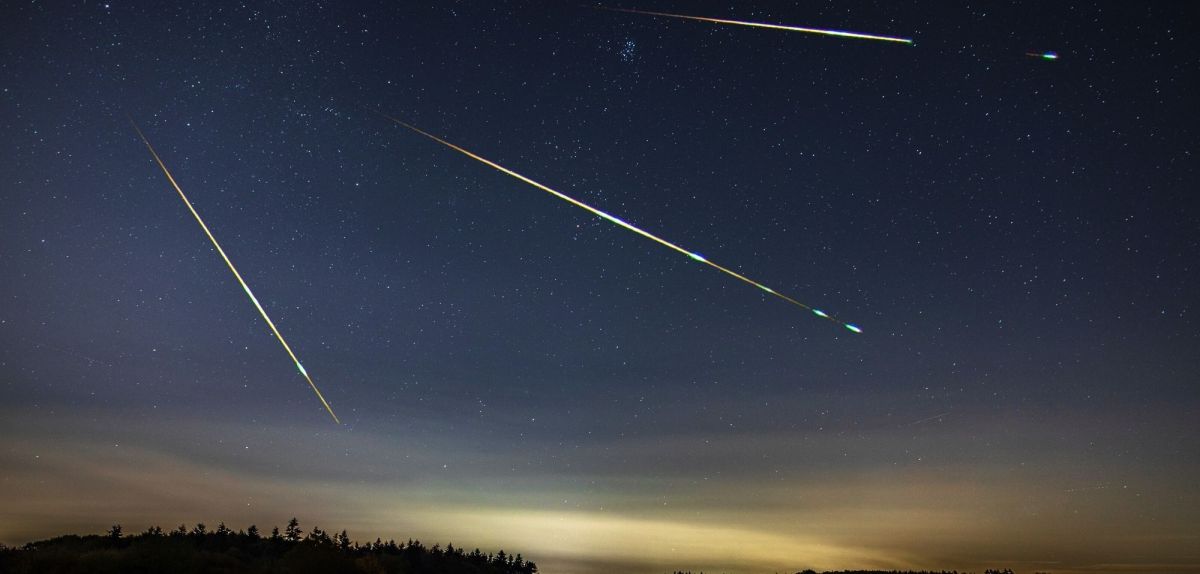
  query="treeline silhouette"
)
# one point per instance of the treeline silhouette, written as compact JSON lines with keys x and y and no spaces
{"x":200,"y":550}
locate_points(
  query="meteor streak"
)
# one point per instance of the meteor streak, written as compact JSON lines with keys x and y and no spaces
{"x":1043,"y":55}
{"x":938,"y":416}
{"x":840,"y":33}
{"x":236,"y":275}
{"x":694,"y":256}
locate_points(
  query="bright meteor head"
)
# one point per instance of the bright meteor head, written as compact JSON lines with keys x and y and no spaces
{"x":1043,"y":55}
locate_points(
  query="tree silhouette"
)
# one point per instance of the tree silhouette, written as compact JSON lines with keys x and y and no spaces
{"x":292,"y":532}
{"x":342,"y":540}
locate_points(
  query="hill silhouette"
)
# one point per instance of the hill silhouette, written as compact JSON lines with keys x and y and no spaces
{"x":201,"y":550}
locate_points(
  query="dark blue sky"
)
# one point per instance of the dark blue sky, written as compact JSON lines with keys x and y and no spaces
{"x":1017,"y":237}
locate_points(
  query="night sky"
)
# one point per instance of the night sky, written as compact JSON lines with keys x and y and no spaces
{"x":1019,"y":239}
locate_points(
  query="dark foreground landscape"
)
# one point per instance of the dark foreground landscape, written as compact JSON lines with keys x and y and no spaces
{"x":202,"y":550}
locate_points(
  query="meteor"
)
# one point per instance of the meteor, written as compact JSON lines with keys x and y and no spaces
{"x":1043,"y":55}
{"x":840,"y":33}
{"x":611,"y":218}
{"x":236,"y":275}
{"x":936,"y":417}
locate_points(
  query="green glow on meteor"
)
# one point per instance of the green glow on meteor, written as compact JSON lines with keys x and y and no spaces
{"x":1043,"y":55}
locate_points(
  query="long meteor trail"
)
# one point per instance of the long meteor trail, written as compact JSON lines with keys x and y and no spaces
{"x":840,"y":33}
{"x":626,"y":225}
{"x":237,"y":275}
